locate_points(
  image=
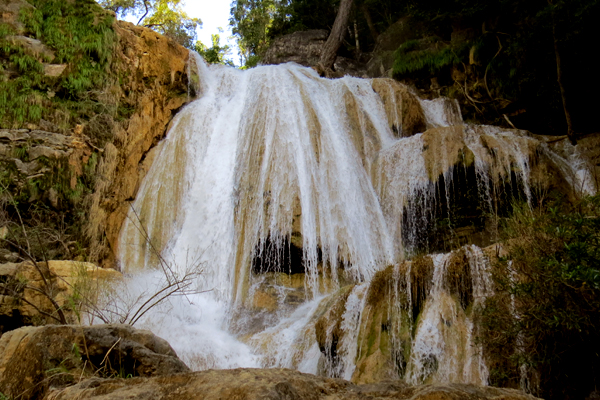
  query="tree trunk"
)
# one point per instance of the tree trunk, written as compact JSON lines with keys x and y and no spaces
{"x":356,"y":41}
{"x":372,"y":28}
{"x":336,"y":36}
{"x":559,"y":78}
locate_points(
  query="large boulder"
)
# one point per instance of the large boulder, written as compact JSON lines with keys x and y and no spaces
{"x":29,"y":290}
{"x":272,"y":384}
{"x":302,"y":47}
{"x":34,"y":359}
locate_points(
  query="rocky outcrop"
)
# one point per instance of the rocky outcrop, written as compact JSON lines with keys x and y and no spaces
{"x":156,"y":86}
{"x":9,"y":13}
{"x":304,"y":48}
{"x":32,"y":294}
{"x":51,"y":161}
{"x":87,"y":153}
{"x":402,"y":107}
{"x":33,"y":360}
{"x":273,"y":384}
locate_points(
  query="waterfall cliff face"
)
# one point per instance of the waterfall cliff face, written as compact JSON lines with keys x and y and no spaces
{"x":300,"y":200}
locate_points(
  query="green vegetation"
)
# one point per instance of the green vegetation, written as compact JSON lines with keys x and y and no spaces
{"x":164,"y":16}
{"x":78,"y":34}
{"x":78,"y":38}
{"x":508,"y":62}
{"x":251,"y":21}
{"x":216,"y":54}
{"x":544,"y":318}
{"x":51,"y":206}
{"x":430,"y":55}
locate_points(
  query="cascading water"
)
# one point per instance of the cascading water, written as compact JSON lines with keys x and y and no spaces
{"x":274,"y":171}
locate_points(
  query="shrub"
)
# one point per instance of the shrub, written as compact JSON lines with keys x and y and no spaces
{"x":542,"y":327}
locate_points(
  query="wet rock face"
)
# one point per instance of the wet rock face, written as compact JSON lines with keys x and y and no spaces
{"x":35,"y":359}
{"x":156,"y":86}
{"x":402,"y":107}
{"x":273,"y":384}
{"x":414,"y":322}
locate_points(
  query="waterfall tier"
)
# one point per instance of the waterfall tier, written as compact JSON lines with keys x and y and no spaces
{"x":300,"y":198}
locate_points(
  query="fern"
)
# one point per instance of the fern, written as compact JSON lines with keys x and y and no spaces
{"x":80,"y":34}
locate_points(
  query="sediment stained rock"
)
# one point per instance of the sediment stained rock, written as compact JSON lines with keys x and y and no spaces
{"x":273,"y":384}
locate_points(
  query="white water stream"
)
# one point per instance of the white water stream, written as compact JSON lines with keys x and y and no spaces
{"x":275,"y":156}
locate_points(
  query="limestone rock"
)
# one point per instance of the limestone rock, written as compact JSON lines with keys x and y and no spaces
{"x":402,"y":107}
{"x":23,"y":302}
{"x":33,"y":46}
{"x":9,"y":13}
{"x":54,"y":70}
{"x":273,"y":384}
{"x":33,"y":359}
{"x":156,"y":87}
{"x":302,"y":47}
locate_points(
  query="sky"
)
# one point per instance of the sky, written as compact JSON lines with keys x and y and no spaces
{"x":214,"y":15}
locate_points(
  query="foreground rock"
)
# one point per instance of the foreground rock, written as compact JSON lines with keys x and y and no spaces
{"x":274,"y":384}
{"x":35,"y":359}
{"x":28,"y":290}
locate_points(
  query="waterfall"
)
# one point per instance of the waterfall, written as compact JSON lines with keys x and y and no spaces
{"x":291,"y":194}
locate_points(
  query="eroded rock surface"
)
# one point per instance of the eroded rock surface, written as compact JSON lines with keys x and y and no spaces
{"x":302,"y":47}
{"x":26,"y":289}
{"x":274,"y":384}
{"x":34,"y":359}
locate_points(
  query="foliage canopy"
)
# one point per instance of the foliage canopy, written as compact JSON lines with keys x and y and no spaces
{"x":216,"y":54}
{"x":164,"y":16}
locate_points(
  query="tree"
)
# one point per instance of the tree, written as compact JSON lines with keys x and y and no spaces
{"x":164,"y":16}
{"x":216,"y":54}
{"x":251,"y":21}
{"x":334,"y":41}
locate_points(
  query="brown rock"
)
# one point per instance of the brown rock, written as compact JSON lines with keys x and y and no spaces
{"x":302,"y":47}
{"x":34,"y":359}
{"x":9,"y":13}
{"x":23,"y":302}
{"x":156,"y":87}
{"x":273,"y":384}
{"x":32,"y":46}
{"x":402,"y":107}
{"x":54,"y":69}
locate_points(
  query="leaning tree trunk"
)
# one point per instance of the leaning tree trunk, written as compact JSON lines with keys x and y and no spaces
{"x":372,"y":28}
{"x":561,"y":84}
{"x":334,"y":41}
